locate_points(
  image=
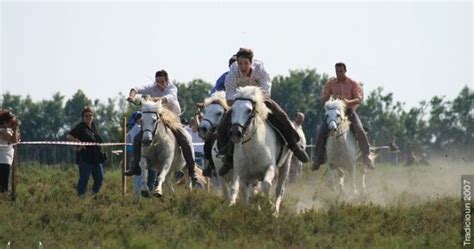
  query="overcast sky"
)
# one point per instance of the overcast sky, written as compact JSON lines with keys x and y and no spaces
{"x":414,"y":49}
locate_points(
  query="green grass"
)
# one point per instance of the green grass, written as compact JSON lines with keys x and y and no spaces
{"x":48,"y":210}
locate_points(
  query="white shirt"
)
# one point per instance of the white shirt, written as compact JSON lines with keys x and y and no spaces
{"x":300,"y":131}
{"x":170,"y":93}
{"x":6,"y":150}
{"x":258,"y":77}
{"x":195,"y":139}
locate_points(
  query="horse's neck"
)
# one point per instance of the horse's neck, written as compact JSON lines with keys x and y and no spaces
{"x":343,"y":137}
{"x":162,"y":133}
{"x":256,"y":133}
{"x":344,"y":127}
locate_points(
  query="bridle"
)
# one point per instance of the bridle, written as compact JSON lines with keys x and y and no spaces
{"x":156,"y":123}
{"x":214,"y":126}
{"x":337,"y":123}
{"x":251,"y":117}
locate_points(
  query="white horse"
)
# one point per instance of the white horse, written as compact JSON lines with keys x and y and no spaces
{"x":160,"y":149}
{"x":342,"y":147}
{"x":259,"y":151}
{"x":214,"y":109}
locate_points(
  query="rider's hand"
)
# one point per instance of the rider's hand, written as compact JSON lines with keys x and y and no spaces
{"x":157,"y":99}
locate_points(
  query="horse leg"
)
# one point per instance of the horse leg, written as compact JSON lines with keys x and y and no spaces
{"x":225,"y":189}
{"x":283,"y":173}
{"x":158,"y":192}
{"x":234,"y":189}
{"x":352,"y":179}
{"x":340,"y":174}
{"x":363,"y":172}
{"x":145,"y":192}
{"x":267,"y":180}
{"x":246,"y":190}
{"x":331,"y":180}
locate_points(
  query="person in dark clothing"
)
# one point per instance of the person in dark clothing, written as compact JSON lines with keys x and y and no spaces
{"x":89,"y":158}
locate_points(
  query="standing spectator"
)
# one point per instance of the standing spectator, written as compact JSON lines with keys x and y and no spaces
{"x":198,"y":143}
{"x":89,"y":158}
{"x":9,"y":134}
{"x":296,"y":166}
{"x":394,"y":151}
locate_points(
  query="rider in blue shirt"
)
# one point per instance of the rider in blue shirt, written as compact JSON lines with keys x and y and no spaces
{"x":220,"y":84}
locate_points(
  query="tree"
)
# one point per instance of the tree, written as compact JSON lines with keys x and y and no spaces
{"x":73,"y":108}
{"x":191,"y":93}
{"x":299,"y":92}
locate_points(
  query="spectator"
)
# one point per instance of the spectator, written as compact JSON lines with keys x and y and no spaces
{"x":89,"y":158}
{"x":9,"y":134}
{"x":198,"y":143}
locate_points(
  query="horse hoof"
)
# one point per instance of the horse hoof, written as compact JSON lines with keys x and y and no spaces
{"x":145,"y":193}
{"x":157,"y":194}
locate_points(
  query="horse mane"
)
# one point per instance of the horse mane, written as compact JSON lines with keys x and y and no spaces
{"x":169,"y":118}
{"x":333,"y":103}
{"x":218,"y":98}
{"x":255,"y":94}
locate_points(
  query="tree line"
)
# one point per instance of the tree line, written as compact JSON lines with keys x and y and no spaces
{"x":438,"y":125}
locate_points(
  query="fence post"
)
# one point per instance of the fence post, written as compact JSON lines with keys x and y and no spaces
{"x":13,"y":174}
{"x":124,"y":164}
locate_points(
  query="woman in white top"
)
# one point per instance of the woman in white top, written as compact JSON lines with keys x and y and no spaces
{"x":9,"y":134}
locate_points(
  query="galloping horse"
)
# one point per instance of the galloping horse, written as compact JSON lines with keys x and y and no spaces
{"x":342,"y":147}
{"x":214,"y":109}
{"x":259,"y":151}
{"x":160,"y":149}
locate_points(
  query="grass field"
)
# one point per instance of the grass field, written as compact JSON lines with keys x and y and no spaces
{"x":405,"y":208}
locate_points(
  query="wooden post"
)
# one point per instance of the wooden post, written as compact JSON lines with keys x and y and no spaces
{"x":124,"y":164}
{"x":13,"y":174}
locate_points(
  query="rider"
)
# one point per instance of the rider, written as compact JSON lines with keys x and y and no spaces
{"x":220,"y":83}
{"x":350,"y":92}
{"x":167,"y":92}
{"x":249,"y":72}
{"x":220,"y":86}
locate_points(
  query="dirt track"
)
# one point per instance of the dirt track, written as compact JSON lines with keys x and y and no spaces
{"x":387,"y":185}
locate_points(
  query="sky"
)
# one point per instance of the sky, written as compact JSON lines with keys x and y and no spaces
{"x":413,"y":49}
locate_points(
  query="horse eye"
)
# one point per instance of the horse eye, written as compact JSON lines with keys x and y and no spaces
{"x":249,"y":111}
{"x":219,"y":113}
{"x":338,"y":115}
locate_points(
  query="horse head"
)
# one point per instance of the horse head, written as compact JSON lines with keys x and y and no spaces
{"x":248,"y":105}
{"x":151,"y":117}
{"x":213,"y":110}
{"x":335,"y":113}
